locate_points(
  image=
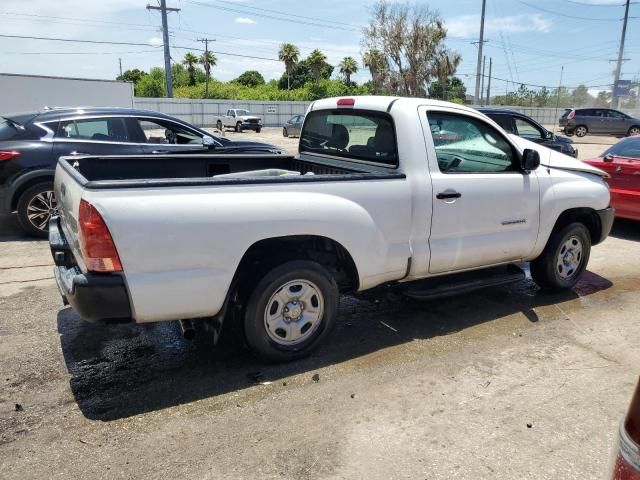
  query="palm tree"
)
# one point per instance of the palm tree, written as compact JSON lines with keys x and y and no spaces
{"x":348,"y":66}
{"x":208,"y":60}
{"x":289,"y":54}
{"x":377,"y":64}
{"x":190,"y":60}
{"x":316,"y":61}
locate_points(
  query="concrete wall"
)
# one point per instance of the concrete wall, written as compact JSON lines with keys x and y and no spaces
{"x":203,"y":113}
{"x":25,"y":93}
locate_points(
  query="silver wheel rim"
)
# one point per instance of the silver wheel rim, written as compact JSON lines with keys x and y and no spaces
{"x":581,"y":131}
{"x":634,"y":131}
{"x":294,"y":312}
{"x":41,"y":208}
{"x":569,"y":258}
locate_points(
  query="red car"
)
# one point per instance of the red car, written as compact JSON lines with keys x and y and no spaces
{"x":627,"y":459}
{"x":622,"y":162}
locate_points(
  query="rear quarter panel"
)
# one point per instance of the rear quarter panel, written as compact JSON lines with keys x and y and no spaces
{"x":180,"y":246}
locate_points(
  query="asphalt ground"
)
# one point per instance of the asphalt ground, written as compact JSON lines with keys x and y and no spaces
{"x":504,"y":383}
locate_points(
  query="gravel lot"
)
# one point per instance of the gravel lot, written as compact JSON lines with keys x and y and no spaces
{"x":501,"y":384}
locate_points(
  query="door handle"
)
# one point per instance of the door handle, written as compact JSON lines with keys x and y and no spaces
{"x":160,"y":151}
{"x":448,"y":194}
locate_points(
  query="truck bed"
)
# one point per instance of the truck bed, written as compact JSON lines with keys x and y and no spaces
{"x":102,"y":172}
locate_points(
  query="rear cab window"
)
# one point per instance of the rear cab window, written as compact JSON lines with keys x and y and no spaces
{"x":358,"y":135}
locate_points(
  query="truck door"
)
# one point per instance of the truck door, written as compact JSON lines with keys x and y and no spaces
{"x":485,"y":209}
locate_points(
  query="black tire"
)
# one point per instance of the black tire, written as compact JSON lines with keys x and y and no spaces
{"x":258,"y":130}
{"x":635,"y":130}
{"x":545,"y":270}
{"x":285,"y":133}
{"x":238,"y":127}
{"x":219,"y":126}
{"x":37,"y":226}
{"x":256,"y":333}
{"x":581,"y":131}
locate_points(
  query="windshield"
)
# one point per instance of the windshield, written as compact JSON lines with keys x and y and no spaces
{"x":243,"y":112}
{"x":7,"y":130}
{"x":629,"y":147}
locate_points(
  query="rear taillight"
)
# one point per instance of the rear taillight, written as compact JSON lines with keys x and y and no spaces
{"x":8,"y":155}
{"x":627,"y":461}
{"x":98,"y":250}
{"x":572,"y":114}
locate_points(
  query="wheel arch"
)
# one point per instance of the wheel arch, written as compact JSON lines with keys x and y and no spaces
{"x":585,"y":215}
{"x":25,"y":181}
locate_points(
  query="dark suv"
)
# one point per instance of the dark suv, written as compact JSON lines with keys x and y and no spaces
{"x":526,"y":127}
{"x":30,"y":144}
{"x":598,"y":121}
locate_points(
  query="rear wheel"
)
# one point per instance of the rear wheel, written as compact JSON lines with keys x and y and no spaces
{"x":238,"y":127}
{"x":258,"y":130}
{"x":290,"y":311}
{"x":36,"y":206}
{"x":581,"y":131}
{"x":285,"y":133}
{"x":635,"y":130}
{"x":219,"y":125}
{"x":564,"y":258}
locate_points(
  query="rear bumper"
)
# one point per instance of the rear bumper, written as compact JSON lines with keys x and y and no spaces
{"x":606,"y":217}
{"x":95,"y":297}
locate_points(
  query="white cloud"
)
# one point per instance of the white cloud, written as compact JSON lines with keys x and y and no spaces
{"x":469,"y":25}
{"x":244,"y":20}
{"x":156,"y":41}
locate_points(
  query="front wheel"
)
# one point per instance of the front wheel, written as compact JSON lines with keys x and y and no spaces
{"x":219,"y":125}
{"x":635,"y":130}
{"x":290,"y":311}
{"x":36,"y":206}
{"x":285,"y":133}
{"x":563,"y":259}
{"x":258,"y":130}
{"x":238,"y":127}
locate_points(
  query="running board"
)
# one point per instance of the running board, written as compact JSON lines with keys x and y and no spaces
{"x":456,"y":283}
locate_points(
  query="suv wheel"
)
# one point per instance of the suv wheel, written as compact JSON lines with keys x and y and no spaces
{"x":36,"y":206}
{"x":635,"y":130}
{"x":581,"y":131}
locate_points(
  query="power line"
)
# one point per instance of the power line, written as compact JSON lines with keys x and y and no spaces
{"x":568,"y":16}
{"x":585,"y":4}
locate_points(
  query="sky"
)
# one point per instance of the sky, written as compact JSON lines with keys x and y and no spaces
{"x":528,"y":40}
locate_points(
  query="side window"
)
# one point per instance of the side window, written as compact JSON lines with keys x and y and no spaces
{"x":527,"y":129}
{"x":616,"y":114}
{"x":165,"y":132}
{"x":96,"y":129}
{"x":468,"y":145}
{"x":505,"y":122}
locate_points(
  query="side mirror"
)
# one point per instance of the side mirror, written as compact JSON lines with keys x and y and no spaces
{"x":548,"y":135}
{"x":608,"y":157}
{"x":530,"y":159}
{"x":208,"y":141}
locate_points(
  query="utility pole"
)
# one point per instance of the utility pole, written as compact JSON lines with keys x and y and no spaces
{"x":480,"y":43}
{"x":165,"y":40}
{"x":489,"y":82}
{"x":207,"y":67}
{"x":615,"y":101}
{"x":484,"y":65}
{"x":120,"y":62}
{"x":558,"y":95}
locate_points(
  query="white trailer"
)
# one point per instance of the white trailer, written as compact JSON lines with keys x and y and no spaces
{"x":24,"y":93}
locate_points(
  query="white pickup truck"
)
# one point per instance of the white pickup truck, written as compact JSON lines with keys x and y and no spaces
{"x":239,"y":120}
{"x":431,"y":197}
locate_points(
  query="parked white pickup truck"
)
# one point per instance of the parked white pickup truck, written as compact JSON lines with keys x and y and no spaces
{"x":239,"y":120}
{"x":428,"y":196}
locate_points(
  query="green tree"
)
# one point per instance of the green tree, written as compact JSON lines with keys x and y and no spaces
{"x":580,"y":96}
{"x":131,"y":75}
{"x":190,"y":60}
{"x":207,"y":60}
{"x":376,"y":62}
{"x":301,"y":75}
{"x":289,"y":54}
{"x":603,"y":99}
{"x":250,"y":78}
{"x":151,"y":85}
{"x":452,"y":90}
{"x":348,"y":66}
{"x":316,"y":61}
